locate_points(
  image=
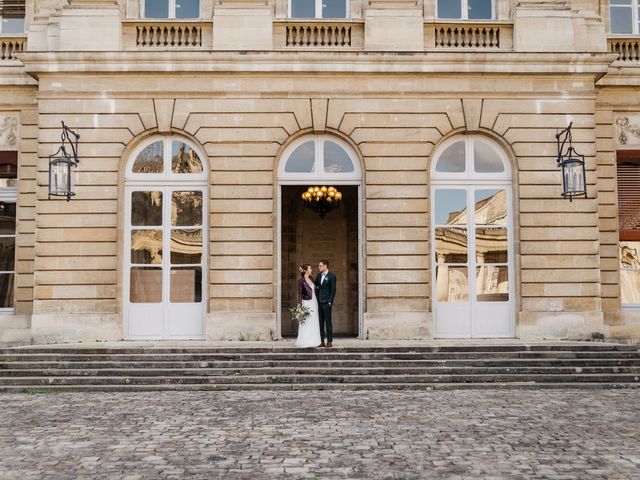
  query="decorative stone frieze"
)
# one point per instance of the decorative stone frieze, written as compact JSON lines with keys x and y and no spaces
{"x":628,"y":130}
{"x":9,"y":131}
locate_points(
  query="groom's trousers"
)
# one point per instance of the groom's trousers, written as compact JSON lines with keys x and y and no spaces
{"x":324,"y":312}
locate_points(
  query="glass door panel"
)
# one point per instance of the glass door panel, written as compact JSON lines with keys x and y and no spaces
{"x":472,"y":260}
{"x":165,"y":263}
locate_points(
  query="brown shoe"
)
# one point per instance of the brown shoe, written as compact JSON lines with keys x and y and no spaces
{"x":328,"y":345}
{"x":322,"y":345}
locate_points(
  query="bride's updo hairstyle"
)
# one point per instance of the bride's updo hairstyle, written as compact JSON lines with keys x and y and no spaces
{"x":303,"y":268}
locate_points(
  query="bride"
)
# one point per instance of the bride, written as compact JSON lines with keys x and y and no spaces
{"x":309,"y":331}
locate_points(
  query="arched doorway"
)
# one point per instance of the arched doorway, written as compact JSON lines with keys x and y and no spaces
{"x":304,"y":236}
{"x":472,"y":240}
{"x":165,"y":240}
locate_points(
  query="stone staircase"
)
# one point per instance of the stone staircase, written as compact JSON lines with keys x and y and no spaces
{"x":35,"y":369}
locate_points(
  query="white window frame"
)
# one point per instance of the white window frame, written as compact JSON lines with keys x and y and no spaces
{"x":318,"y":173}
{"x":172,"y":11}
{"x":465,"y":12}
{"x":634,"y":18}
{"x":9,"y":195}
{"x":318,"y":12}
{"x":469,"y":172}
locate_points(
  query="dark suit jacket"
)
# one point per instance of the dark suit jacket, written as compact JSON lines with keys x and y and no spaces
{"x":326,"y":292}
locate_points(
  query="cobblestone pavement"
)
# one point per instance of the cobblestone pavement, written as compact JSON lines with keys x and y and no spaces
{"x":324,"y":435}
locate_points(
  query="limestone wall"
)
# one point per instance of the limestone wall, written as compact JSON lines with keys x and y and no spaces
{"x":244,"y":120}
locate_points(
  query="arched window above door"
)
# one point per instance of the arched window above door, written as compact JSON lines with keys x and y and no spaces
{"x":470,"y":157}
{"x":319,"y":158}
{"x":166,"y":158}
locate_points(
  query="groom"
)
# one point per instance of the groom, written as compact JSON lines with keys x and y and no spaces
{"x":326,"y":293}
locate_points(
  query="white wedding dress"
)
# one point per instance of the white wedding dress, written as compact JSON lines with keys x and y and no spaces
{"x":309,"y":331}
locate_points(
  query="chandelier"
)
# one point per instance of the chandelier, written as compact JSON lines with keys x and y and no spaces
{"x":322,"y":199}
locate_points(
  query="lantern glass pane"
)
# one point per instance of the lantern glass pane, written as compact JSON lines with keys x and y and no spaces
{"x":59,"y":177}
{"x":574,"y":177}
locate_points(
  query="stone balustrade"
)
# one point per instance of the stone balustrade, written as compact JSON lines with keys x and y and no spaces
{"x":167,"y":34}
{"x":319,"y":34}
{"x":469,"y":35}
{"x":10,"y":45}
{"x":628,"y":49}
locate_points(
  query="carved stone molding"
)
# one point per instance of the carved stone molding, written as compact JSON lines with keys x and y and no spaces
{"x":628,"y":130}
{"x":9,"y":131}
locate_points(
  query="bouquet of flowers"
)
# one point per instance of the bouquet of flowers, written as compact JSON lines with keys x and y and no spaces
{"x":300,"y":313}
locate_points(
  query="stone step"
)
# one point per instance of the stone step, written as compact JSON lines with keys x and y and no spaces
{"x":305,"y":371}
{"x":317,"y":355}
{"x":585,"y":346}
{"x":516,"y":363}
{"x":53,"y":389}
{"x":355,"y":379}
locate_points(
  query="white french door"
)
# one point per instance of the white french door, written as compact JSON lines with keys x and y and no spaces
{"x":165,"y":262}
{"x":472,"y":248}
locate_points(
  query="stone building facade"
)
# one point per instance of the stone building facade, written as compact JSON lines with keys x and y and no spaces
{"x":201,"y":123}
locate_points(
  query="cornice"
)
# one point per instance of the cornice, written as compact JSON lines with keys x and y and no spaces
{"x":15,"y":75}
{"x":42,"y":63}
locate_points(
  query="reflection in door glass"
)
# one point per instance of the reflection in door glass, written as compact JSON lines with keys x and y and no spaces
{"x":336,"y":160}
{"x":492,"y":283}
{"x":186,"y":208}
{"x":452,"y":284}
{"x":452,"y":160}
{"x":186,"y":246}
{"x":145,"y":285}
{"x":486,"y":159}
{"x":6,"y":290}
{"x":451,"y":245}
{"x":491,"y":207}
{"x":451,"y":207}
{"x":146,"y":247}
{"x":184,"y":159}
{"x":491,"y":245}
{"x":146,"y":208}
{"x":150,"y":160}
{"x":8,"y":218}
{"x":7,"y":253}
{"x":302,"y":159}
{"x":186,"y":285}
{"x":630,"y":272}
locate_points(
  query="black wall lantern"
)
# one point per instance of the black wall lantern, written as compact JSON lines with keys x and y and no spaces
{"x":574,"y":175}
{"x":61,"y":163}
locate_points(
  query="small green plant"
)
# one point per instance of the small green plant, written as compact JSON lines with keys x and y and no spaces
{"x":35,"y":391}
